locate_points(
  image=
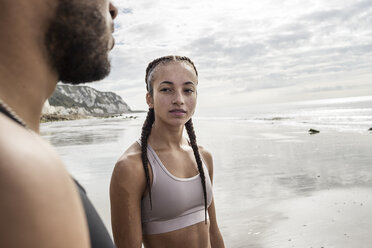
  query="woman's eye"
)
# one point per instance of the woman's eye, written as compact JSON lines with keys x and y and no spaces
{"x":189,"y":91}
{"x":165,"y":90}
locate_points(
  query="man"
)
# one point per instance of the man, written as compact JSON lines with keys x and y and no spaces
{"x":43,"y":42}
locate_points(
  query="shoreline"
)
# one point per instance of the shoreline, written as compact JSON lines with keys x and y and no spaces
{"x":56,"y":117}
{"x":59,"y":117}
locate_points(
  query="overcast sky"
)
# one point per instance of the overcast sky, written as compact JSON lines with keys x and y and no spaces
{"x":247,"y":52}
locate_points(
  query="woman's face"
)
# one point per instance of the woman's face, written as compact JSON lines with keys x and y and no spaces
{"x":174,"y":92}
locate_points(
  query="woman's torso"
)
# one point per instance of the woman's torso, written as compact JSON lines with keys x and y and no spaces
{"x":177,"y":217}
{"x":195,"y":236}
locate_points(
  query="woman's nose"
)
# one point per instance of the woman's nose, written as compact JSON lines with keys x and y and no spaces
{"x":178,"y":99}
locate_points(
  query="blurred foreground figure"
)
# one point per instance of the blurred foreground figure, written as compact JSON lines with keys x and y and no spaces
{"x":43,"y":42}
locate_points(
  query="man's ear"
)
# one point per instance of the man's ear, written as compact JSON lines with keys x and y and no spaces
{"x":149,"y":100}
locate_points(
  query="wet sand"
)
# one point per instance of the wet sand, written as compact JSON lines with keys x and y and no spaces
{"x":328,"y":218}
{"x":278,"y":186}
{"x":274,"y":185}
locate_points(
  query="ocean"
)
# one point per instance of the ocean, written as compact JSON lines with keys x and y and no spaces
{"x":343,"y":114}
{"x":275,"y":185}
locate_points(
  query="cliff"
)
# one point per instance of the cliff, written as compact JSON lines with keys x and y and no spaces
{"x":70,"y":100}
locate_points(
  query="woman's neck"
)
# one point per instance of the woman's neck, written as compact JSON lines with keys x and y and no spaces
{"x":166,"y":137}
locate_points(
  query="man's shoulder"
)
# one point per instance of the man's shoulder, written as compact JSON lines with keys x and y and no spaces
{"x":27,"y":158}
{"x":21,"y":147}
{"x":38,"y":194}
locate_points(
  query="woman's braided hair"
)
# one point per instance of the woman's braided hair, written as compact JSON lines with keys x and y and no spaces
{"x":147,"y":126}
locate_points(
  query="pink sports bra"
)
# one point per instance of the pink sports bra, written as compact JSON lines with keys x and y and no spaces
{"x":176,"y":202}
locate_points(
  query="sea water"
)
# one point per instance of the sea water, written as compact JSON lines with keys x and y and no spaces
{"x":348,"y":114}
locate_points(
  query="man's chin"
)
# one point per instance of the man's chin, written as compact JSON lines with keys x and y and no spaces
{"x":76,"y":47}
{"x":86,"y":77}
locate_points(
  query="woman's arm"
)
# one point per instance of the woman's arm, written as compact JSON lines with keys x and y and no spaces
{"x":126,"y":188}
{"x":214,"y":232}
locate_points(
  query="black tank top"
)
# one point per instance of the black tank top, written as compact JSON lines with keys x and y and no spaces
{"x":99,"y":237}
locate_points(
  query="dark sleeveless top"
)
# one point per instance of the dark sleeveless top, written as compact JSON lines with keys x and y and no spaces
{"x":99,"y":237}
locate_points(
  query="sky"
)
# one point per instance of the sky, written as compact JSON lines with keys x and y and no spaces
{"x":246,"y":52}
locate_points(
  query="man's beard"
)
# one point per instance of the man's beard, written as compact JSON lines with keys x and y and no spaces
{"x":77,"y":43}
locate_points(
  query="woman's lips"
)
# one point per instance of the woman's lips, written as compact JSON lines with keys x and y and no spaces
{"x":178,"y":112}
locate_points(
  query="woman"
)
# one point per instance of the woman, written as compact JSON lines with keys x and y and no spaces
{"x":160,"y":189}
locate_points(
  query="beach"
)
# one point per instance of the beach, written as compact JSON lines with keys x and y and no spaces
{"x":279,"y":186}
{"x":275,"y":185}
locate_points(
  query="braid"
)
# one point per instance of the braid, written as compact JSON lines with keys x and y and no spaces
{"x":146,"y":130}
{"x":163,"y":60}
{"x":190,"y":131}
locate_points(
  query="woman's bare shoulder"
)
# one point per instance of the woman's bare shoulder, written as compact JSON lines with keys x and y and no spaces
{"x":128,"y":169}
{"x":207,"y":156}
{"x":130,"y":158}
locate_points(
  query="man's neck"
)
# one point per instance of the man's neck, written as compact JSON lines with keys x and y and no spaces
{"x":26,"y":77}
{"x":25,"y":84}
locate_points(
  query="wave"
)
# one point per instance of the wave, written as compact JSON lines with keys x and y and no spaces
{"x":343,"y":114}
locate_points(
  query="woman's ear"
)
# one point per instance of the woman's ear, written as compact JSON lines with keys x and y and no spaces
{"x":149,"y":100}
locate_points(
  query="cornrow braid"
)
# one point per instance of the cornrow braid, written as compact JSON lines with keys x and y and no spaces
{"x":163,"y":60}
{"x":146,"y":130}
{"x":190,"y":131}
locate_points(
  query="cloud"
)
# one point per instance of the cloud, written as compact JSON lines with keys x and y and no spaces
{"x":288,"y":39}
{"x":125,"y":11}
{"x":243,"y":47}
{"x":343,"y":13}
